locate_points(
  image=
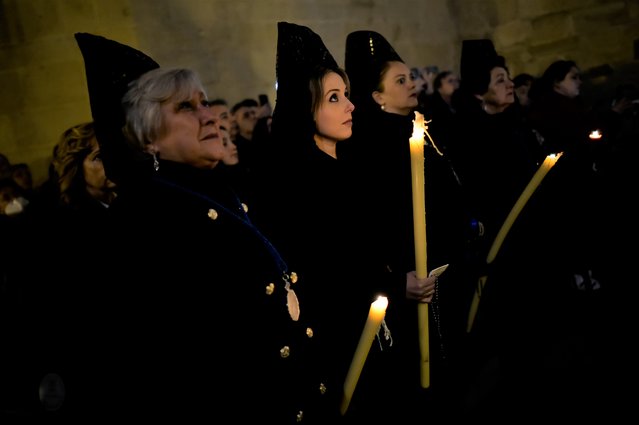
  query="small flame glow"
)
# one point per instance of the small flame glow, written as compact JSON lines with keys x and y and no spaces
{"x":595,"y":135}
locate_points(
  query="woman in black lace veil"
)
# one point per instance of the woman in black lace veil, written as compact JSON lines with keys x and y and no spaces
{"x":385,"y":99}
{"x":320,"y":216}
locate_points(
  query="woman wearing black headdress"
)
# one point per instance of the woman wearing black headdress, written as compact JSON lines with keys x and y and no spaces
{"x":200,"y":320}
{"x":530,"y":306}
{"x":493,"y":159}
{"x":320,"y":219}
{"x":385,"y":100}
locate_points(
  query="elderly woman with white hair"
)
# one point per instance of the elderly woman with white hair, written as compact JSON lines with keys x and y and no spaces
{"x":207,"y":325}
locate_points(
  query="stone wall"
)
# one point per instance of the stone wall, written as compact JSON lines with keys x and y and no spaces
{"x":231,"y":43}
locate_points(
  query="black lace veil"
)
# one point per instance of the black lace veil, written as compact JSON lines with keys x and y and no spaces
{"x":366,"y":55}
{"x":110,"y":68}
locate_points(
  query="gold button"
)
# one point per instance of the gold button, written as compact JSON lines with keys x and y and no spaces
{"x":309,"y":332}
{"x":244,"y":207}
{"x":270,"y":288}
{"x":212,"y":214}
{"x":285,"y":352}
{"x":293,"y":277}
{"x":322,"y":389}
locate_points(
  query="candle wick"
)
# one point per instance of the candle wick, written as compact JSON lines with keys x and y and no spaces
{"x":387,"y":335}
{"x":432,"y":142}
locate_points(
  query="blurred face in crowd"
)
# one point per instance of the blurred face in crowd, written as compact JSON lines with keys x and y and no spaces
{"x":522,"y":93}
{"x":501,"y":92}
{"x":398,"y":93}
{"x":450,"y":84}
{"x":22,"y":176}
{"x":222,"y":114}
{"x":7,"y":194}
{"x":570,"y":85}
{"x":97,"y":183}
{"x":418,"y":79}
{"x":230,"y":150}
{"x":192,"y":135}
{"x":246,"y":118}
{"x":333,"y":118}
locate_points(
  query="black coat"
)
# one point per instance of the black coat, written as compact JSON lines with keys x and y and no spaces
{"x":312,"y":208}
{"x":495,"y":158}
{"x":380,"y":152}
{"x":195,"y":323}
{"x":535,"y":332}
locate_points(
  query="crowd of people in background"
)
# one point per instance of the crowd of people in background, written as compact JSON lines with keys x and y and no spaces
{"x":251,"y":239}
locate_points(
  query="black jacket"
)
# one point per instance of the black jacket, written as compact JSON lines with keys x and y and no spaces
{"x":195,"y":323}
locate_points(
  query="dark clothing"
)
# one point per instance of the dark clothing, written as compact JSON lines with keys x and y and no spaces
{"x":491,"y":157}
{"x":494,"y":157}
{"x":576,"y":187}
{"x":237,"y":178}
{"x":245,"y":151}
{"x":194,"y":319}
{"x":55,"y":266}
{"x":564,"y":122}
{"x":380,"y":152}
{"x":312,"y":209}
{"x":535,"y":330}
{"x":442,"y":119}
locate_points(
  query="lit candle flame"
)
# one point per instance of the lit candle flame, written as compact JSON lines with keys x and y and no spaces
{"x":420,"y":128}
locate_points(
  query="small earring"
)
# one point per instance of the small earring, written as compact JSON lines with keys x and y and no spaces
{"x":156,"y":163}
{"x":383,"y":107}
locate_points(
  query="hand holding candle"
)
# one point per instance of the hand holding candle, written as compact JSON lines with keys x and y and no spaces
{"x":535,"y":181}
{"x":419,"y":228}
{"x":375,"y":316}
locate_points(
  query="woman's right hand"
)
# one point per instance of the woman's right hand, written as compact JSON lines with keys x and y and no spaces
{"x":421,"y":290}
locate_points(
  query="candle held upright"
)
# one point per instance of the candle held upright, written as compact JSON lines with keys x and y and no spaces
{"x":419,"y":229}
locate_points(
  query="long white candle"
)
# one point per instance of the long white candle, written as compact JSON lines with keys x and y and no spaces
{"x":375,"y":316}
{"x":419,"y":229}
{"x":539,"y":175}
{"x":534,"y":182}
